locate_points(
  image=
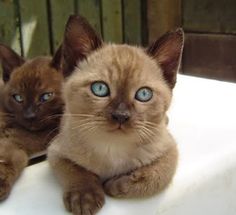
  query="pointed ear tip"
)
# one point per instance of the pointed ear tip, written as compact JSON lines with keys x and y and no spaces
{"x":3,"y":46}
{"x":179,"y":30}
{"x":71,"y":19}
{"x":75,"y":18}
{"x":72,"y":16}
{"x":180,"y":33}
{"x":6,"y":48}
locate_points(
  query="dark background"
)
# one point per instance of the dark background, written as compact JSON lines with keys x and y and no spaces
{"x":35,"y":27}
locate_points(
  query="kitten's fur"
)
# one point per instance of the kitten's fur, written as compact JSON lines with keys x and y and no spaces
{"x":93,"y":153}
{"x":26,"y":127}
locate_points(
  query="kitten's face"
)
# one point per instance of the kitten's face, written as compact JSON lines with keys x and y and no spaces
{"x":32,"y":95}
{"x":122,"y":89}
{"x":117,"y":89}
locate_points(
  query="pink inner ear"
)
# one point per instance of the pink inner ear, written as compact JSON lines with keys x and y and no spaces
{"x":167,"y":51}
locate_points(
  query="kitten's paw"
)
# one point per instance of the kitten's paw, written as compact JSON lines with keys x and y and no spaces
{"x":5,"y":186}
{"x":123,"y":186}
{"x":86,"y":202}
{"x":118,"y":186}
{"x":5,"y":189}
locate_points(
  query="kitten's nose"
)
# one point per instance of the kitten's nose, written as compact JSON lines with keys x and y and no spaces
{"x":121,"y":114}
{"x":120,"y":117}
{"x":29,"y":114}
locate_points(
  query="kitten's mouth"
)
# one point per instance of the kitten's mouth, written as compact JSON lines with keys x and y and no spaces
{"x":31,"y":126}
{"x":117,"y":127}
{"x":35,"y":128}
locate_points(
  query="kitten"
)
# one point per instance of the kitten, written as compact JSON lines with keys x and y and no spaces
{"x":113,"y":138}
{"x":30,"y":109}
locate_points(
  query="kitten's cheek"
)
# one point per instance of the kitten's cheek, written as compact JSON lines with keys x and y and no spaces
{"x":10,"y":105}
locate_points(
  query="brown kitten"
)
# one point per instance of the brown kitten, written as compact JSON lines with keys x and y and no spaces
{"x":113,"y":138}
{"x":30,"y":109}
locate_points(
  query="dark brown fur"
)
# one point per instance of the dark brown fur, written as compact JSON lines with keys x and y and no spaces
{"x":22,"y":136}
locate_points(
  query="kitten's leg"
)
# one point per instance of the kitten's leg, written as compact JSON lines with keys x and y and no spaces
{"x":144,"y":181}
{"x":12,"y":162}
{"x":83,"y":192}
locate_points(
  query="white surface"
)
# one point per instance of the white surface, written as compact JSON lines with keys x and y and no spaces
{"x":203,"y":121}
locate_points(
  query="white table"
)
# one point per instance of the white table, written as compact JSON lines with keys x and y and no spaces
{"x":203,"y":120}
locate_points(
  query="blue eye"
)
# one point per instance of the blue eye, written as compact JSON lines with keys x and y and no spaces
{"x":18,"y":98}
{"x":144,"y":94}
{"x":100,"y":89}
{"x":45,"y":97}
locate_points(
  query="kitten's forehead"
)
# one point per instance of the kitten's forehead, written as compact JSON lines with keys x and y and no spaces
{"x":34,"y":74}
{"x":123,"y":63}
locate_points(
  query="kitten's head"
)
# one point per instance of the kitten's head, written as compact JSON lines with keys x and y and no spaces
{"x":32,"y":89}
{"x":118,"y":89}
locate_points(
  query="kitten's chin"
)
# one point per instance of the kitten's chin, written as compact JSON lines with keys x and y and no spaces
{"x":33,"y":127}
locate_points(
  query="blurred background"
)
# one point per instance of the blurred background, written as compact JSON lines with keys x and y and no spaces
{"x":35,"y":27}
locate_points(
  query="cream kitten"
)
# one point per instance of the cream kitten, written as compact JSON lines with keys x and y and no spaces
{"x":113,"y":138}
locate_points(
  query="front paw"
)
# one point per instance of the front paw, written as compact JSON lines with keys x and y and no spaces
{"x":117,"y":186}
{"x":5,"y":185}
{"x":124,"y":186}
{"x":84,"y":202}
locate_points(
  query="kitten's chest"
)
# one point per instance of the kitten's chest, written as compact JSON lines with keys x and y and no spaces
{"x":108,"y":159}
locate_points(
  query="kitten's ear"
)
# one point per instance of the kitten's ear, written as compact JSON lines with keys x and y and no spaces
{"x":167,"y":51}
{"x":9,"y":60}
{"x":57,"y":59}
{"x":79,"y":40}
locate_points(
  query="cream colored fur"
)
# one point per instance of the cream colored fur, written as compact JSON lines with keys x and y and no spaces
{"x":116,"y":144}
{"x":112,"y":153}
